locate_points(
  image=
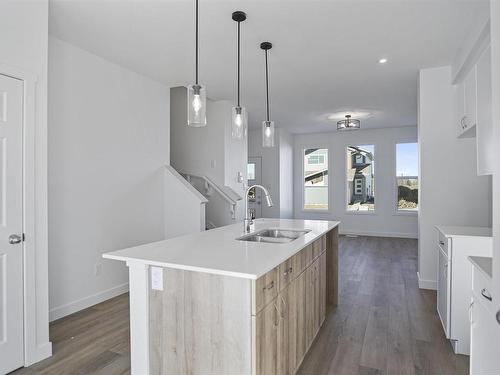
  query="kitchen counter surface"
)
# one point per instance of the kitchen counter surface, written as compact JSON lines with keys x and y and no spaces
{"x":484,"y":264}
{"x":457,"y":231}
{"x":217,"y":251}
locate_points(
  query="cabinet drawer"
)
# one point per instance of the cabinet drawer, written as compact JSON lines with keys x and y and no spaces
{"x":443,"y":243}
{"x":318,"y":247}
{"x":287,"y":272}
{"x":481,"y":287}
{"x":302,"y":259}
{"x":265,"y":289}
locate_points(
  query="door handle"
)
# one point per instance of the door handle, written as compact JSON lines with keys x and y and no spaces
{"x":15,"y":239}
{"x":486,"y":295}
{"x":498,"y":316}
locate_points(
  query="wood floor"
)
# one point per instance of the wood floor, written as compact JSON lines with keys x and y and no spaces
{"x":384,"y":324}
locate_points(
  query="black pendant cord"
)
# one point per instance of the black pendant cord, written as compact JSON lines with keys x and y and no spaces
{"x":196,"y":52}
{"x":239,"y":64}
{"x":267,"y":89}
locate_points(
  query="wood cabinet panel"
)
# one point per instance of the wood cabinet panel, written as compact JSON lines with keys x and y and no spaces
{"x":286,"y":273}
{"x":266,"y":334}
{"x":287,"y":331}
{"x":265,"y":289}
{"x":322,"y":290}
{"x":300,"y":311}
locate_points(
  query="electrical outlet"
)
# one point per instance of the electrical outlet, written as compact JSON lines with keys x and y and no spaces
{"x":97,"y":269}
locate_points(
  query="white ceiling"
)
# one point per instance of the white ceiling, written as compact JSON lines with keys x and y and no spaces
{"x":324,"y":59}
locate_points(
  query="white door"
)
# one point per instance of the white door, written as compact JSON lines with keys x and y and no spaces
{"x":443,"y":297}
{"x":255,"y":177}
{"x":11,"y":224}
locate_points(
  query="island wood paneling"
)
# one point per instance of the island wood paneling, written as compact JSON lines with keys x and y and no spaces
{"x":200,"y":324}
{"x":332,"y":268}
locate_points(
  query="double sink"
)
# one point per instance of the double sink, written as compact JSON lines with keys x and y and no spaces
{"x":274,"y":235}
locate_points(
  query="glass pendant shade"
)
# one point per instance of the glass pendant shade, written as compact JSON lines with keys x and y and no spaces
{"x":267,"y":133}
{"x":197,"y":105}
{"x":239,"y":122}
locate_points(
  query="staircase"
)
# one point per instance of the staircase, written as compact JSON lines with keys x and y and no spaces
{"x":222,"y":200}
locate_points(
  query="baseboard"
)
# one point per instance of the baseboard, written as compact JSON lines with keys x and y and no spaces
{"x":426,"y":284}
{"x":83,"y":303}
{"x":37,"y":354}
{"x":378,"y":234}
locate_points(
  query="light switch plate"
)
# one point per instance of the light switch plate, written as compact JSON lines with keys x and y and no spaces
{"x":157,"y":278}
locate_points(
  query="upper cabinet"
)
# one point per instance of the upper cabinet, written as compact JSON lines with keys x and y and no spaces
{"x":473,"y":112}
{"x":466,"y":105}
{"x":484,"y":130}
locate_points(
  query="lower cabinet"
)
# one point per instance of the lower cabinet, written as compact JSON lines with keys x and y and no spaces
{"x":286,"y":327}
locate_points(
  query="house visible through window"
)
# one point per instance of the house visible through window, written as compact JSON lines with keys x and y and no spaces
{"x":251,"y":171}
{"x":316,"y":179}
{"x":407,"y":176}
{"x":360,"y":178}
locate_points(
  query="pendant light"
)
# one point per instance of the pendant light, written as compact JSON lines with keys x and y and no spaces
{"x":348,"y":124}
{"x":267,"y":125}
{"x":239,"y":114}
{"x":196,"y":94}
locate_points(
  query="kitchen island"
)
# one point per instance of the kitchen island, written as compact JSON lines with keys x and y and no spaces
{"x":212,"y":303}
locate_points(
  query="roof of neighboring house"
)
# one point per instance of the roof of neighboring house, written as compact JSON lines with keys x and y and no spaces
{"x":316,"y":174}
{"x":358,"y":150}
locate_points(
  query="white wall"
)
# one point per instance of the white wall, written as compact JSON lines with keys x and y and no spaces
{"x":108,"y":143}
{"x":286,"y":173}
{"x":385,"y":221}
{"x":270,"y":169}
{"x":23,"y":46}
{"x":451,"y":193}
{"x":208,"y":151}
{"x":184,"y":205}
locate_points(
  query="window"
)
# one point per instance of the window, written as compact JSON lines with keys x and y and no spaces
{"x":360,"y":178}
{"x":251,"y":171}
{"x":316,"y":179}
{"x":407,"y":176}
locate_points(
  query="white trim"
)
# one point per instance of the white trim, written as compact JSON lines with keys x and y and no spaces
{"x":83,"y":303}
{"x":426,"y":284}
{"x":36,"y":296}
{"x":378,"y":234}
{"x":139,"y":317}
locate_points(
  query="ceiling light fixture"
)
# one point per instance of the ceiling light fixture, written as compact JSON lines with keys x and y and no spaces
{"x":267,"y":125}
{"x":348,"y":123}
{"x":382,"y":61}
{"x":196,"y":94}
{"x":239,"y":114}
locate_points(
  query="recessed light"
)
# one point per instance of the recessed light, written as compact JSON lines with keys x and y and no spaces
{"x":382,"y":61}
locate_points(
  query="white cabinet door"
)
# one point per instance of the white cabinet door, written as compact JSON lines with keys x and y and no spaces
{"x":443,"y":296}
{"x":484,"y":128}
{"x":470,"y":99}
{"x":484,"y":347}
{"x":459,"y":101}
{"x":11,"y":224}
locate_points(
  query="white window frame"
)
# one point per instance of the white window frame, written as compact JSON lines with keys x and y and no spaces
{"x":321,"y":211}
{"x":346,"y":183}
{"x":397,"y":211}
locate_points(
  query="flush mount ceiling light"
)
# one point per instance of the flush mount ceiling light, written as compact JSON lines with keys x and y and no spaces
{"x":196,"y":94}
{"x":382,"y":60}
{"x":239,"y":114}
{"x":267,"y":125}
{"x":348,"y":123}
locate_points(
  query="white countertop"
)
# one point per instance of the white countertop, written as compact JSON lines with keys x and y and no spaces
{"x":457,"y":231}
{"x":217,"y":251}
{"x":484,"y":264}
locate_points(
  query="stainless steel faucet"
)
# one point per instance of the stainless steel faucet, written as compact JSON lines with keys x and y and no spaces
{"x":248,"y":222}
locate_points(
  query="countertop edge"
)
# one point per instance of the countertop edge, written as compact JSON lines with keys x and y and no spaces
{"x":478,"y":264}
{"x":443,"y":230}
